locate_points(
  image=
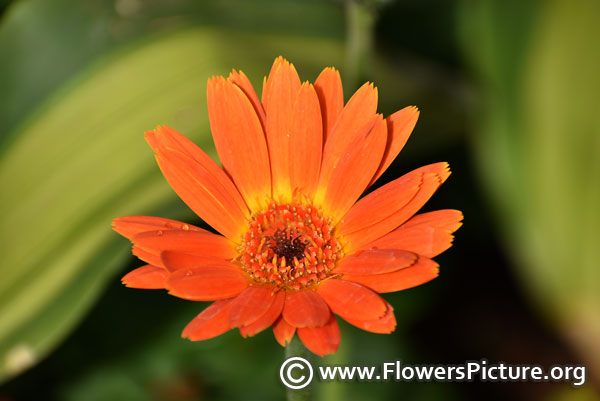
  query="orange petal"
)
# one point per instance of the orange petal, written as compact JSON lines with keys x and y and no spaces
{"x":381,"y":203}
{"x":146,"y":277}
{"x":241,"y":80}
{"x":164,"y":138}
{"x":348,"y":177}
{"x":211,"y":322}
{"x":176,"y":260}
{"x":445,"y":219}
{"x":202,"y":193}
{"x":427,"y":234}
{"x":305,"y":309}
{"x":376,"y":261}
{"x":283,"y":331}
{"x":199,"y":182}
{"x":305,"y":142}
{"x":354,"y":122}
{"x":267,"y":318}
{"x":282,"y":89}
{"x":207,"y":283}
{"x":251,"y":304}
{"x":198,"y":243}
{"x":384,"y":325}
{"x":351,"y":300}
{"x":267,"y":81}
{"x":129,"y":226}
{"x":331,"y":96}
{"x":399,"y":127}
{"x":322,"y":340}
{"x":147,"y":257}
{"x":391,"y":205}
{"x":359,"y":110}
{"x":240,"y":140}
{"x":421,"y":272}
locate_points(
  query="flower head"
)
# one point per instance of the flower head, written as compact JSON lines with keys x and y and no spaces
{"x":296,"y":247}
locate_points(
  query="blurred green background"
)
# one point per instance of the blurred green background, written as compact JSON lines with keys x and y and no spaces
{"x":508,"y":92}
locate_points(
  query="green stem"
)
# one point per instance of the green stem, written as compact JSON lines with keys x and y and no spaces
{"x":360,"y":20}
{"x":296,"y":348}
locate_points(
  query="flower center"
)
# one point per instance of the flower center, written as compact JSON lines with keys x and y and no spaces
{"x":285,"y":246}
{"x":290,"y":246}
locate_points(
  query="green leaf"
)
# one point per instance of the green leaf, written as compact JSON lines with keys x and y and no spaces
{"x":537,"y":147}
{"x":75,"y":166}
{"x":44,"y":44}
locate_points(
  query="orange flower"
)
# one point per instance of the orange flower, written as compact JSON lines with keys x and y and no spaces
{"x":296,"y":248}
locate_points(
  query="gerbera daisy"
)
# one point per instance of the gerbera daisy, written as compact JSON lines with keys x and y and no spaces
{"x":296,"y":247}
